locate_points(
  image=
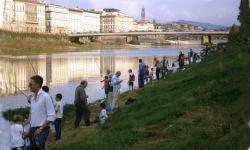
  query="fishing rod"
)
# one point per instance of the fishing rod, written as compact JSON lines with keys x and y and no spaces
{"x":97,"y":64}
{"x":31,"y":65}
{"x":21,"y":91}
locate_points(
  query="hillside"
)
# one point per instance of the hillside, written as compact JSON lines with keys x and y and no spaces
{"x":208,"y":26}
{"x":204,"y":107}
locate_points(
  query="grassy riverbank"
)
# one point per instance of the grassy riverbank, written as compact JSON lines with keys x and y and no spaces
{"x":204,"y":107}
{"x":32,"y":43}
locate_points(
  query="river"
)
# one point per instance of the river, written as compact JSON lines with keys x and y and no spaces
{"x":62,"y":72}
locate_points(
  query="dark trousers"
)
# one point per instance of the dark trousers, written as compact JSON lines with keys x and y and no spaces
{"x":58,"y":128}
{"x":38,"y":142}
{"x":82,"y":110}
{"x":131,"y":85}
{"x":158,"y":70}
{"x":181,"y":64}
{"x":141,"y":81}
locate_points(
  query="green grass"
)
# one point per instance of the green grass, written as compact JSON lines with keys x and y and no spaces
{"x":204,"y":107}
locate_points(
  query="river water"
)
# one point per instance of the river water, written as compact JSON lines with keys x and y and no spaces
{"x":62,"y":72}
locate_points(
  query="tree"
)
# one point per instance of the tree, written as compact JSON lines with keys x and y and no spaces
{"x":234,"y":35}
{"x":244,"y":18}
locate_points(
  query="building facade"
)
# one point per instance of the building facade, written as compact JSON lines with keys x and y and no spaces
{"x":23,"y":16}
{"x":143,"y":26}
{"x":19,"y":20}
{"x":35,"y":16}
{"x":112,"y":20}
{"x":75,"y":20}
{"x":91,"y":21}
{"x":57,"y":19}
{"x":8,"y":14}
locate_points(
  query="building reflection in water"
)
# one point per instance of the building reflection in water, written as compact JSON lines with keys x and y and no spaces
{"x":58,"y":70}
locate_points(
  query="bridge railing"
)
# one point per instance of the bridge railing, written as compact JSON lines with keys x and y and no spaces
{"x":149,"y":33}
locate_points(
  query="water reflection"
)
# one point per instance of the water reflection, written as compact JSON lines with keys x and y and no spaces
{"x":62,"y":72}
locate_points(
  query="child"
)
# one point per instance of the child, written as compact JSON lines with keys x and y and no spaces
{"x":59,"y":116}
{"x":174,"y":68}
{"x":131,"y":80}
{"x":106,"y":85}
{"x":151,"y":74}
{"x":103,"y":114}
{"x":17,"y":134}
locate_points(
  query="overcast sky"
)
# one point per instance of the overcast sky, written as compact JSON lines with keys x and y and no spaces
{"x":221,"y":12}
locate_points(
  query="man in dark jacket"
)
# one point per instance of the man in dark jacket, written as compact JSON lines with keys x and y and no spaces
{"x":141,"y":74}
{"x":81,"y":104}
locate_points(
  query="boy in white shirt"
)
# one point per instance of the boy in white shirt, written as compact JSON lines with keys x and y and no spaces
{"x":59,"y":116}
{"x":17,"y":134}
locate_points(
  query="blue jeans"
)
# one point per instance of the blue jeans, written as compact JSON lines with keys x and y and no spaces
{"x":141,"y":81}
{"x":40,"y":140}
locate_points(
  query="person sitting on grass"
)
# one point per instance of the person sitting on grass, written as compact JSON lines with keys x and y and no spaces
{"x":59,"y":116}
{"x":103,"y":114}
{"x":17,"y":134}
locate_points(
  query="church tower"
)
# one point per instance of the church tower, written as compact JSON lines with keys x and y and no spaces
{"x":143,"y":14}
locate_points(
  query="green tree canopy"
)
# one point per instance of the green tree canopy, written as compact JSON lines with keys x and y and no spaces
{"x":244,"y":18}
{"x":234,"y":35}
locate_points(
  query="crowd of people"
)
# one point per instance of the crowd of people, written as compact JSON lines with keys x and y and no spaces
{"x":46,"y":113}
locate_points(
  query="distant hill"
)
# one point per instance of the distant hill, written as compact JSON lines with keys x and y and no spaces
{"x":203,"y":25}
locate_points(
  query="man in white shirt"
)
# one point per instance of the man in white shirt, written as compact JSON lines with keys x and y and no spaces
{"x":116,"y":83}
{"x":42,"y":112}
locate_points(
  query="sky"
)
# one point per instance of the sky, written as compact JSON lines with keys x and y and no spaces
{"x":219,"y":12}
